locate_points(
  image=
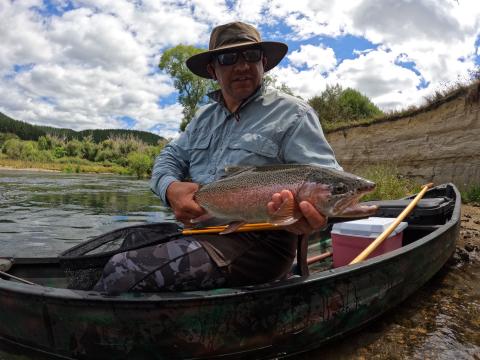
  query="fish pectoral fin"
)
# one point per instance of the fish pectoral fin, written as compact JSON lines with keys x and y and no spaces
{"x":287,"y":213}
{"x":201,"y":218}
{"x":232,"y":227}
{"x":358,"y":210}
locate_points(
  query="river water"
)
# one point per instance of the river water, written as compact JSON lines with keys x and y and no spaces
{"x":43,"y":214}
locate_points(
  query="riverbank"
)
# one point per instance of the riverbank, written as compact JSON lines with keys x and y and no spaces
{"x":66,"y":167}
{"x":8,"y":168}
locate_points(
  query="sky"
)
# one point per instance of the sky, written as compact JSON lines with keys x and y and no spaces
{"x":92,"y":64}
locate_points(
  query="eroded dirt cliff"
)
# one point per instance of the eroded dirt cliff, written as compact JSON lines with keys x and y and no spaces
{"x":440,"y":143}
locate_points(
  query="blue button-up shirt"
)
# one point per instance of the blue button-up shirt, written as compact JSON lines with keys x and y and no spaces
{"x":270,"y":127}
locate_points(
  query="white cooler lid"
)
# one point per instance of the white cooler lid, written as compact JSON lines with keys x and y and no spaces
{"x":369,"y":227}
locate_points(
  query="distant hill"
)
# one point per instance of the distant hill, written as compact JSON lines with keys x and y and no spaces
{"x":26,"y":131}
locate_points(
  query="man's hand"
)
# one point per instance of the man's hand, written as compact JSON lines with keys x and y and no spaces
{"x":180,"y":196}
{"x":311,"y":220}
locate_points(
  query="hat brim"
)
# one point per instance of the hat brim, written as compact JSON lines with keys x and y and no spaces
{"x":273,"y":50}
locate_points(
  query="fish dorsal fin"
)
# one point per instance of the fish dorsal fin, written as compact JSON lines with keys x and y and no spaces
{"x":237,"y":169}
{"x":287,"y":213}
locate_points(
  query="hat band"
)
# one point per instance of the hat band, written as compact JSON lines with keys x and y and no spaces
{"x":239,"y":39}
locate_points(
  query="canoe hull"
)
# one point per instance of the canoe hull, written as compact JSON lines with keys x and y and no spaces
{"x":252,"y":322}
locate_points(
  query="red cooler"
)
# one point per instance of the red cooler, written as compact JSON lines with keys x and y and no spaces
{"x":351,"y":237}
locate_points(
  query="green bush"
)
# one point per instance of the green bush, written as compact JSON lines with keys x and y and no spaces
{"x":20,"y":150}
{"x":89,"y":149}
{"x":140,"y":164}
{"x":12,"y":148}
{"x":336,"y":104}
{"x":106,"y":154}
{"x":7,"y":136}
{"x":355,"y":105}
{"x":59,"y":152}
{"x":74,"y":148}
{"x":45,"y":143}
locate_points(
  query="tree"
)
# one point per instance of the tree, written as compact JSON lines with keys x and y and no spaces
{"x":335,"y":104}
{"x":357,"y":106}
{"x":191,"y":88}
{"x":272,"y":81}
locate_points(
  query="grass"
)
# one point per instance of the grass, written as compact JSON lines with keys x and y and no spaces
{"x":471,"y":194}
{"x":390,"y":184}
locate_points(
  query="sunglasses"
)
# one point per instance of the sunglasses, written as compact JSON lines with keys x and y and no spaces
{"x":230,"y":58}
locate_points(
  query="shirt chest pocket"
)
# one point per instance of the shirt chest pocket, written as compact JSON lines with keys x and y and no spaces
{"x":254,"y":145}
{"x":199,"y":149}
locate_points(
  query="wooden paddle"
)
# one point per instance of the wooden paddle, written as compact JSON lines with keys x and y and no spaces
{"x":217,"y":229}
{"x":370,"y":248}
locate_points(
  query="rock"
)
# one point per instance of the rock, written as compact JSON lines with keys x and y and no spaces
{"x":469,"y":247}
{"x":462,"y":255}
{"x":5,"y":265}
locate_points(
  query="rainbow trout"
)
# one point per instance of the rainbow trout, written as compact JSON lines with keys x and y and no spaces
{"x":242,"y":195}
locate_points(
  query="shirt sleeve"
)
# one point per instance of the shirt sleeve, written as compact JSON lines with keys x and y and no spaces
{"x":306,"y":143}
{"x":171,"y":165}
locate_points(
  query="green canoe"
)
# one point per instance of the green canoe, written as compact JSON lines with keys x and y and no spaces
{"x":254,"y":322}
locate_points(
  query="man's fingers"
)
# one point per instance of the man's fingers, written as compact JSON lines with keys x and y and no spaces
{"x":271,"y":207}
{"x":194,"y":209}
{"x":313,"y":217}
{"x":276,"y":200}
{"x":286,"y":195}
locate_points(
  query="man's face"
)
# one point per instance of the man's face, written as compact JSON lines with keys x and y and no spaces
{"x":238,"y":80}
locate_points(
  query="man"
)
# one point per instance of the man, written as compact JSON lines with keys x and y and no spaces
{"x":246,"y":124}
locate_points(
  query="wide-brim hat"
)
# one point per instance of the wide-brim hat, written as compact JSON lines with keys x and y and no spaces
{"x":235,"y":36}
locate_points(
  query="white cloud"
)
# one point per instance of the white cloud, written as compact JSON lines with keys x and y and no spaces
{"x":319,"y":57}
{"x":377,"y":75}
{"x":25,"y":46}
{"x":437,"y":38}
{"x":306,"y":83}
{"x":309,"y":18}
{"x":434,"y":35}
{"x":90,"y":66}
{"x":374,"y":74}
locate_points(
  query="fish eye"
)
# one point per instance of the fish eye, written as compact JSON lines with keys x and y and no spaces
{"x":340,"y":188}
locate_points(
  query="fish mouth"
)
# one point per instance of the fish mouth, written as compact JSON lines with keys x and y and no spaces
{"x":350,"y":206}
